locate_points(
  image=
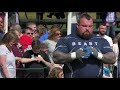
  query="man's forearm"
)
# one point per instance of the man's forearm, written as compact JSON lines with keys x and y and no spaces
{"x":61,"y":58}
{"x":109,"y":58}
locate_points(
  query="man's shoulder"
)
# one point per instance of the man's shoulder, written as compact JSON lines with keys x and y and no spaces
{"x":98,"y":38}
{"x":106,"y":36}
{"x":72,"y":35}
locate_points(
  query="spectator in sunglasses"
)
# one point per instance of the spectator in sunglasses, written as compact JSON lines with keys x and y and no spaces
{"x":54,"y":36}
{"x":29,"y":31}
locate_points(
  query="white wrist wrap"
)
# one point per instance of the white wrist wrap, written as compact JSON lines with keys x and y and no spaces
{"x":73,"y":55}
{"x":100,"y":55}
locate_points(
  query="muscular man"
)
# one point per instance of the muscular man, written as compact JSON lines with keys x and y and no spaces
{"x":83,"y":53}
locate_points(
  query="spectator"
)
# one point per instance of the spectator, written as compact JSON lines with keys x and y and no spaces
{"x":102,"y":33}
{"x":43,"y":33}
{"x":110,"y":19}
{"x":83,"y":53}
{"x":18,"y":52}
{"x":41,"y":73}
{"x":56,"y":70}
{"x":7,"y":58}
{"x":29,"y":32}
{"x":24,"y":40}
{"x":116,"y":48}
{"x":15,"y":26}
{"x":31,"y":25}
{"x":54,"y":36}
{"x":2,"y":31}
{"x":106,"y":71}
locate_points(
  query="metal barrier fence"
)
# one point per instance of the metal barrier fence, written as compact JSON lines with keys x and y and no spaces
{"x":21,"y":72}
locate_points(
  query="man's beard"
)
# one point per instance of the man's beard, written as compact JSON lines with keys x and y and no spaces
{"x":86,"y":35}
{"x":102,"y":34}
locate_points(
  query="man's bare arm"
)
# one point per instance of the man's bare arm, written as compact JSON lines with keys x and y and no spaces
{"x":61,"y":58}
{"x":109,"y":58}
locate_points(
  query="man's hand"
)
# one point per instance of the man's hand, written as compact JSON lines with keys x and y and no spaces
{"x":95,"y":53}
{"x":81,"y":53}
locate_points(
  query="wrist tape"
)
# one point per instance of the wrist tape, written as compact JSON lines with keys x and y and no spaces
{"x":73,"y":55}
{"x":100,"y":55}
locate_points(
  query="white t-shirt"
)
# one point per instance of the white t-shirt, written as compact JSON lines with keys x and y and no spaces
{"x":10,"y":62}
{"x":51,"y":46}
{"x":109,"y":39}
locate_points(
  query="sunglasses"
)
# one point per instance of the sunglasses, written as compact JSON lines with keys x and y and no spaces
{"x":30,"y":33}
{"x":58,"y":34}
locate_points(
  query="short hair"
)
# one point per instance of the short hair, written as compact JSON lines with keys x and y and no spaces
{"x":30,"y":23}
{"x":13,"y":26}
{"x":104,"y":24}
{"x":27,"y":28}
{"x":36,"y":44}
{"x":84,"y":15}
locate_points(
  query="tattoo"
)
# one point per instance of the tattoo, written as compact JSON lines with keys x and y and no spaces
{"x":109,"y":58}
{"x":61,"y":58}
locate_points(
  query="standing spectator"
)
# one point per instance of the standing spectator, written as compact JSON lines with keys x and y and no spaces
{"x":44,"y":33}
{"x":31,"y":25}
{"x":110,"y":19}
{"x":2,"y":31}
{"x":7,"y":58}
{"x":54,"y":36}
{"x":34,"y":53}
{"x":29,"y":32}
{"x":106,"y":71}
{"x":56,"y":70}
{"x":25,"y":39}
{"x":102,"y":33}
{"x":116,"y":47}
{"x":18,"y":52}
{"x":83,"y":53}
{"x":15,"y":26}
{"x":13,"y":17}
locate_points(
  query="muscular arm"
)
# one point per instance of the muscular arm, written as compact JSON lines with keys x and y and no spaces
{"x":61,"y":58}
{"x":109,"y":58}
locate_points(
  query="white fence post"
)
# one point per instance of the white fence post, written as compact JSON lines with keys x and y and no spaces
{"x":69,"y":22}
{"x":6,"y":22}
